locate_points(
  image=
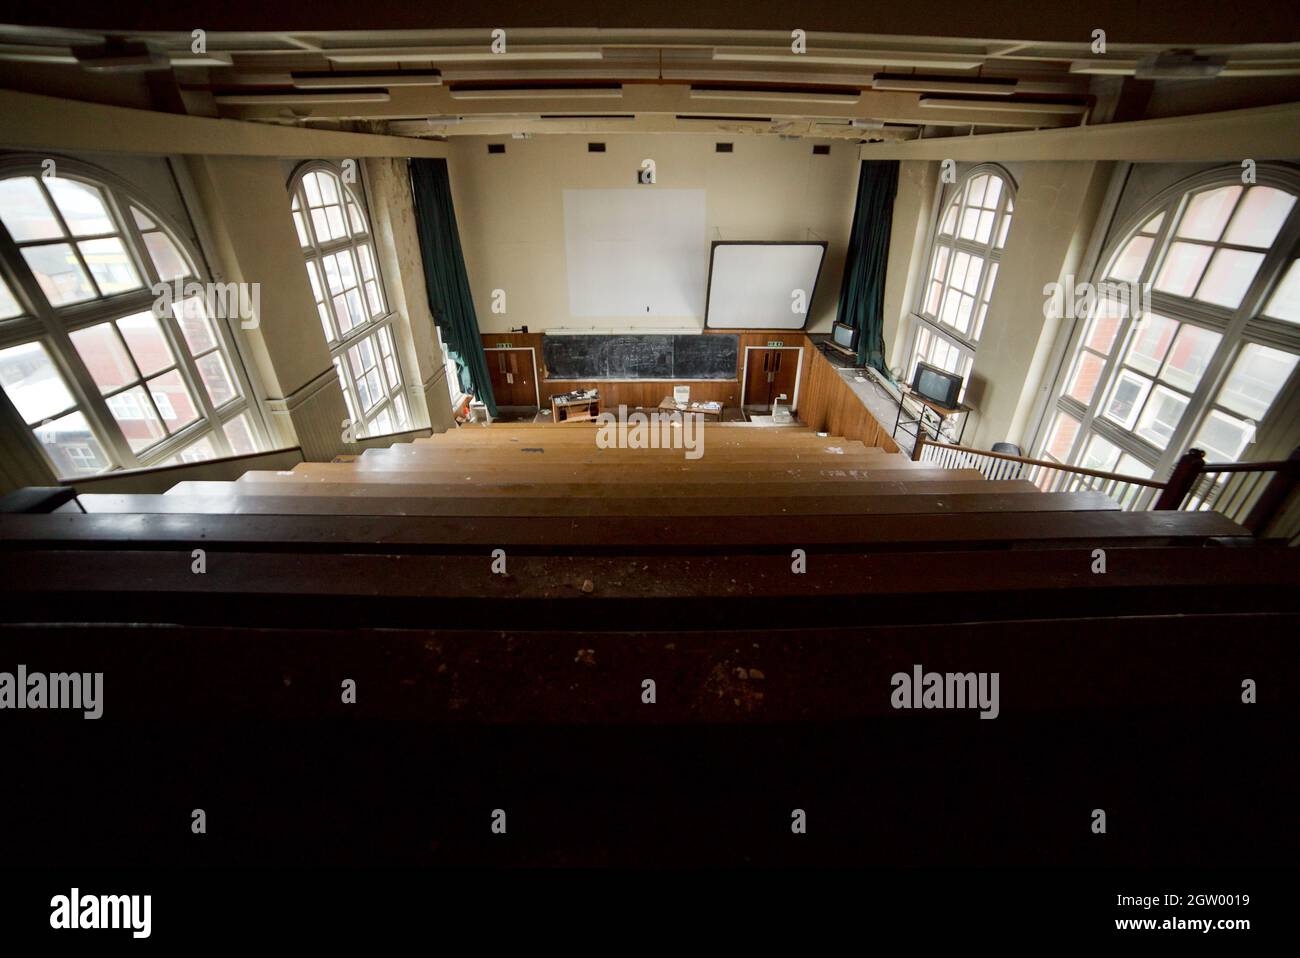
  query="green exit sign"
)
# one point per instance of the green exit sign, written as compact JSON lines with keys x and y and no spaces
{"x":776,"y":342}
{"x":505,"y":345}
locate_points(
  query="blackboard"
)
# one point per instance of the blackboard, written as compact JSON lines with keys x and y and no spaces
{"x":711,"y":356}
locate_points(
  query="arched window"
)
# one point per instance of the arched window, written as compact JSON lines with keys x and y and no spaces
{"x":962,"y":270}
{"x":99,"y":358}
{"x":1218,"y":345}
{"x":334,"y":232}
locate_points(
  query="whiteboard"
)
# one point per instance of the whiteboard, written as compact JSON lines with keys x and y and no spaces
{"x":752,"y":285}
{"x":635,"y":253}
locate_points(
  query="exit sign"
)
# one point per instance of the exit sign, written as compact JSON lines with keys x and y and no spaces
{"x":776,"y":342}
{"x":505,"y":345}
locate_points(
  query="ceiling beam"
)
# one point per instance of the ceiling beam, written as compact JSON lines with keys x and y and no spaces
{"x":1260,"y":133}
{"x":32,"y":122}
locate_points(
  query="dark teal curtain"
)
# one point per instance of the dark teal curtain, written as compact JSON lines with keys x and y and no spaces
{"x":862,"y":294}
{"x":445,"y":278}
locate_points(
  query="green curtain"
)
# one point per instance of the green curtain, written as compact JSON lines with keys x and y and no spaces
{"x":862,"y":293}
{"x":445,"y":278}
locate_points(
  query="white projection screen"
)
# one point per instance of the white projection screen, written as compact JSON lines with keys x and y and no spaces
{"x":752,"y":285}
{"x":635,"y":252}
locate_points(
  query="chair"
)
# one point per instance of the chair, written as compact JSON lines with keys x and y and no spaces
{"x":1004,"y":469}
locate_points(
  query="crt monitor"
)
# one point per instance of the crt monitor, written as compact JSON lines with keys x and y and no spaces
{"x":844,"y":335}
{"x":937,"y":385}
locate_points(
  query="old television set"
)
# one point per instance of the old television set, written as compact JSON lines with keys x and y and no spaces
{"x":844,"y":336}
{"x":937,"y":385}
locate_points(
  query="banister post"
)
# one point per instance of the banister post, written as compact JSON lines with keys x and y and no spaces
{"x":920,"y":443}
{"x":1181,"y":480}
{"x":1275,"y":494}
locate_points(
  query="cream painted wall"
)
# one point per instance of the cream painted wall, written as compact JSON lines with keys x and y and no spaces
{"x":1057,"y":207}
{"x":511,"y":216}
{"x":913,"y":211}
{"x":303,"y":397}
{"x":392,"y":217}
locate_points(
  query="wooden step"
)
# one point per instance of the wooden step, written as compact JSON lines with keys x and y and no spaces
{"x":683,"y":474}
{"x":402,"y":498}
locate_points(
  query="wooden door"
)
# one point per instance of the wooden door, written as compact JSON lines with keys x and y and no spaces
{"x":784,"y":375}
{"x":771,"y":373}
{"x":513,"y":379}
{"x":519,"y":368}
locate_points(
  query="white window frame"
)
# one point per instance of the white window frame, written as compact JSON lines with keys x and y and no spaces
{"x":925,"y":323}
{"x":51,"y":326}
{"x":1237,"y":327}
{"x":346,"y":346}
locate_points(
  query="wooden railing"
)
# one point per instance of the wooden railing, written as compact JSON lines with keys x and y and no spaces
{"x":1262,"y":496}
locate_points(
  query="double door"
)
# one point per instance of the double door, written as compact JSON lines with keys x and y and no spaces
{"x":771,"y":373}
{"x":514,"y":381}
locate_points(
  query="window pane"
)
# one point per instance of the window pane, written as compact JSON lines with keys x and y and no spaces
{"x":1100,"y":454}
{"x":320,"y":225}
{"x":1229,"y":276}
{"x":329,"y":192}
{"x":1257,"y":376}
{"x":1004,"y":228}
{"x":313,"y":190}
{"x":1083,"y":381}
{"x":25,"y":211}
{"x":301,"y":227}
{"x":60,"y":276}
{"x":1129,"y":263}
{"x":341,"y":313}
{"x":1259,"y":217}
{"x":142,"y":221}
{"x":949,"y":220}
{"x":173,"y":400}
{"x":82,"y":207}
{"x":32,"y":382}
{"x":355,"y":217}
{"x":347,"y":272}
{"x":1208,"y":213}
{"x":145,"y":339}
{"x":71,"y":446}
{"x":1182,"y":269}
{"x":334,"y":216}
{"x":108,"y":263}
{"x":105,"y":357}
{"x":195,"y":327}
{"x":1104,"y":326}
{"x":1223,"y":437}
{"x":332,"y":274}
{"x":240,"y":436}
{"x":1126,"y":398}
{"x":357,"y":311}
{"x":135,"y":414}
{"x":9,"y":306}
{"x":313,"y":276}
{"x":1129,"y":466}
{"x":167,"y":259}
{"x":216,"y":380}
{"x":1151,"y":339}
{"x":1191,"y":353}
{"x":1161,"y":415}
{"x":200,"y":450}
{"x":399,"y":407}
{"x":1285,"y":302}
{"x":1061,"y":436}
{"x":1153,"y":225}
